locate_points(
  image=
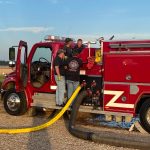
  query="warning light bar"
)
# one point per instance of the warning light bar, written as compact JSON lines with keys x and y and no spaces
{"x":55,"y":38}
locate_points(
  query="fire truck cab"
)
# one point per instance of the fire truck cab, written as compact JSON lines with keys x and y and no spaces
{"x":121,"y":80}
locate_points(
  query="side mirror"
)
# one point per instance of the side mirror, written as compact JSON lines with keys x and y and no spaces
{"x":12,"y":54}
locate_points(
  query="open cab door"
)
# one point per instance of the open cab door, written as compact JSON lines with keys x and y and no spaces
{"x":21,"y":66}
{"x":15,"y":102}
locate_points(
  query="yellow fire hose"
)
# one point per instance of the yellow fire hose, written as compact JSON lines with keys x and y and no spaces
{"x":45,"y":125}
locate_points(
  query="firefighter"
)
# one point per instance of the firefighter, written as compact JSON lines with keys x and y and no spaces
{"x":79,"y":46}
{"x":68,"y":47}
{"x":73,"y":73}
{"x":59,"y":71}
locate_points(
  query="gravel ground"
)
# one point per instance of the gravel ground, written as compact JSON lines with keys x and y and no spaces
{"x":56,"y":137}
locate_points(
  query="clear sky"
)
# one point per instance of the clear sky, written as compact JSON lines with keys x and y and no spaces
{"x":31,"y":20}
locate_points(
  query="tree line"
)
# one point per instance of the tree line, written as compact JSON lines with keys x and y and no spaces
{"x":4,"y":63}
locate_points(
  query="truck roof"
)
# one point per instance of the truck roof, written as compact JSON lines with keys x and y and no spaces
{"x":129,"y":40}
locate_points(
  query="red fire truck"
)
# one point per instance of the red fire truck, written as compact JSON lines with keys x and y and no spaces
{"x":121,"y":79}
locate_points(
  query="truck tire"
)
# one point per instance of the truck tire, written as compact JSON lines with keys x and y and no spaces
{"x":15,"y":103}
{"x":145,"y":115}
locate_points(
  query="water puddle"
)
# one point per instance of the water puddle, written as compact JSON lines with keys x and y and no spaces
{"x":100,"y":120}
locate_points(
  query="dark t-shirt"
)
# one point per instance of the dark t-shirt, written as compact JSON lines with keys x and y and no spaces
{"x":61,"y":64}
{"x":77,"y":49}
{"x":73,"y":68}
{"x":68,"y":51}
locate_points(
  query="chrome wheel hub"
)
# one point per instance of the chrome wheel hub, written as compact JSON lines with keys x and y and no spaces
{"x":13,"y":102}
{"x":148,"y":116}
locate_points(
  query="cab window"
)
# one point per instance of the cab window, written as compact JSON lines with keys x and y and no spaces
{"x":42,"y":52}
{"x":40,"y":66}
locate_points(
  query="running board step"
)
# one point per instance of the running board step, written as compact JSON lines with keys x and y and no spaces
{"x":43,"y":100}
{"x":46,"y":100}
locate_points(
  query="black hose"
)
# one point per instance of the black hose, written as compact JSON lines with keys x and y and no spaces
{"x":109,"y":138}
{"x":75,"y":107}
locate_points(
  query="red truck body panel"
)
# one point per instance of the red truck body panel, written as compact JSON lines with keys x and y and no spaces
{"x":124,"y":69}
{"x":126,"y":74}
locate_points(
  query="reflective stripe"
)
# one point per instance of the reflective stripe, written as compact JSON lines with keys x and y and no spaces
{"x":82,"y":72}
{"x":126,"y":83}
{"x":53,"y":87}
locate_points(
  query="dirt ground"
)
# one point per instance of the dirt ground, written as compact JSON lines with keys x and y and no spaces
{"x":5,"y":70}
{"x":56,"y":137}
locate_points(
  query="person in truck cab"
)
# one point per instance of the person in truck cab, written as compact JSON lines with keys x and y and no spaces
{"x":73,"y":73}
{"x":59,"y":71}
{"x":79,"y":46}
{"x":68,"y":47}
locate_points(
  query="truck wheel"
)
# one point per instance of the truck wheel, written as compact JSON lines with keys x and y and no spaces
{"x":15,"y":103}
{"x":145,"y":115}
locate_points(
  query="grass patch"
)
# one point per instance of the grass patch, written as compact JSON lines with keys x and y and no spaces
{"x":1,"y":80}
